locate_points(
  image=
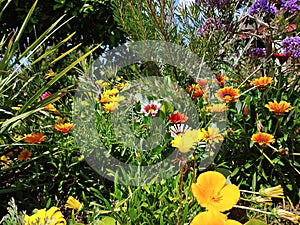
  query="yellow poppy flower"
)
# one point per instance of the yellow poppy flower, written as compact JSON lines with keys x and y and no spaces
{"x":213,"y":218}
{"x":212,"y":192}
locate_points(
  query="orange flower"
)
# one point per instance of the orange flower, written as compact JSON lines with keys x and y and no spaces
{"x":228,"y":94}
{"x":262,"y":82}
{"x":279,"y":108}
{"x":64,"y":127}
{"x":195,"y":90}
{"x":212,"y":192}
{"x":177,"y":118}
{"x":220,"y":80}
{"x":51,"y":108}
{"x":213,"y":218}
{"x":35,"y":138}
{"x":24,"y":155}
{"x":203,"y":83}
{"x":263,"y":139}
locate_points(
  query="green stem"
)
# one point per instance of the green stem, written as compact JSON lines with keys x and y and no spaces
{"x":277,"y":125}
{"x":256,"y":210}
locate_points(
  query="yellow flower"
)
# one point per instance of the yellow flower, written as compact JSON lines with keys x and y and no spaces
{"x":50,"y":73}
{"x":73,"y":204}
{"x":112,"y":106}
{"x":17,"y":107}
{"x":274,"y":192}
{"x":212,"y":192}
{"x":279,"y":108}
{"x":4,"y":161}
{"x":287,"y":215}
{"x":210,"y":135}
{"x":187,"y":141}
{"x":111,"y":92}
{"x":50,"y":217}
{"x":63,"y":127}
{"x":263,"y":139}
{"x":264,"y":200}
{"x":213,"y":218}
{"x":217,"y":108}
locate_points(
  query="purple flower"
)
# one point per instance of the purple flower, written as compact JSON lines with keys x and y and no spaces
{"x":219,"y":4}
{"x":262,"y":6}
{"x":291,"y":46}
{"x":290,"y":5}
{"x":257,"y":52}
{"x":209,"y":25}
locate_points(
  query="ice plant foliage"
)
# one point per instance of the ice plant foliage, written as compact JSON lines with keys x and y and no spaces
{"x":263,"y":139}
{"x":151,"y":108}
{"x":279,"y":109}
{"x":262,"y":82}
{"x":212,"y":192}
{"x":228,"y":94}
{"x":35,"y":138}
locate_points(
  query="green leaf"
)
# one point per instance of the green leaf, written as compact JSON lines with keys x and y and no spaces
{"x":108,"y":221}
{"x":255,"y":222}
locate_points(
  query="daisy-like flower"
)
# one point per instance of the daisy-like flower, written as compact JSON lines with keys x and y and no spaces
{"x":63,"y":127}
{"x":279,"y":109}
{"x":178,"y":129}
{"x":213,"y":218}
{"x":228,"y":94}
{"x":24,"y":155}
{"x":151,"y":108}
{"x":53,"y":216}
{"x":262,"y":82}
{"x":274,"y":192}
{"x":110,"y":107}
{"x":203,"y":83}
{"x":177,"y":118}
{"x":51,"y":108}
{"x":263,"y":139}
{"x":45,"y":95}
{"x":212,"y":192}
{"x":186,"y":142}
{"x":211,"y":135}
{"x":220,"y":80}
{"x":73,"y":203}
{"x":35,"y":138}
{"x":195,"y":90}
